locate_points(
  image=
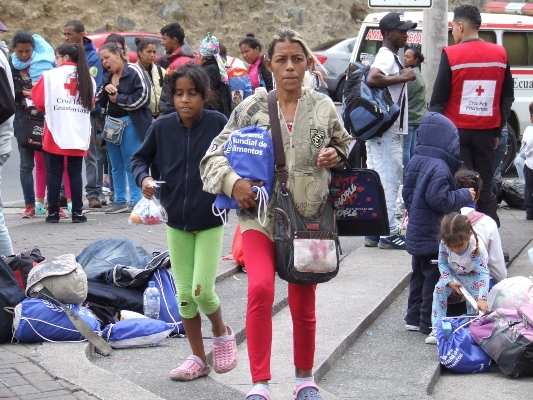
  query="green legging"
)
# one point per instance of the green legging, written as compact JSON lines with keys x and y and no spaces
{"x":195,"y":257}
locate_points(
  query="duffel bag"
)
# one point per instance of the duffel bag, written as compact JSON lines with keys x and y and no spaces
{"x":506,"y":335}
{"x":10,"y":295}
{"x":39,"y":320}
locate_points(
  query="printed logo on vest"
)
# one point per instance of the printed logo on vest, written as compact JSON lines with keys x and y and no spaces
{"x":478,"y":98}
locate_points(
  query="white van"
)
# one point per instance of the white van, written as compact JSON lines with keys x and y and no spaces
{"x":514,"y":32}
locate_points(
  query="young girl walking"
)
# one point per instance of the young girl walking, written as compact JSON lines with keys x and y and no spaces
{"x":462,"y":263}
{"x":176,"y":143}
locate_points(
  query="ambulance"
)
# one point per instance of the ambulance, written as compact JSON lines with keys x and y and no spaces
{"x":507,"y":24}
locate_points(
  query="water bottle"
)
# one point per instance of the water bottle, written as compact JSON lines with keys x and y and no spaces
{"x":247,"y":90}
{"x":151,"y":301}
{"x":446,"y":329}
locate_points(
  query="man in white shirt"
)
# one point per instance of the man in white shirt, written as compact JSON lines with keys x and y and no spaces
{"x":384,"y":154}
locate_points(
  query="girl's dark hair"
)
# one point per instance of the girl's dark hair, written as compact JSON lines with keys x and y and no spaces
{"x":222,"y":50}
{"x":197,"y":76}
{"x":468,"y":178}
{"x":143,"y":43}
{"x":22,"y":37}
{"x":116,"y":38}
{"x":418,"y":55}
{"x":251,"y":41}
{"x":288,"y":35}
{"x":456,"y":228}
{"x":76,"y":53}
{"x":113,"y":48}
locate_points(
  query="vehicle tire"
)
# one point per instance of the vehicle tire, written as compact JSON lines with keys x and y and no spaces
{"x":510,"y":154}
{"x":340,"y":90}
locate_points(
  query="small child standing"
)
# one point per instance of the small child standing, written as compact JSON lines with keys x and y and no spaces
{"x":462,"y":257}
{"x":526,"y":153}
{"x":429,"y":192}
{"x":176,"y":143}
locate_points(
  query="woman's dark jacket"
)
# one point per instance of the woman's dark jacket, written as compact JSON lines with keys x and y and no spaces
{"x":133,"y":96}
{"x":429,"y":189}
{"x":221,"y":89}
{"x":265,"y":76}
{"x":177,"y":151}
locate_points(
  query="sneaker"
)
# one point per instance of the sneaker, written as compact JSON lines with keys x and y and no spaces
{"x":69,"y":209}
{"x":29,"y":212}
{"x":94,"y":202}
{"x":306,"y":390}
{"x":53,"y":218}
{"x":395,"y":242}
{"x":40,"y":209}
{"x":63,"y":213}
{"x":77,"y":218}
{"x":117,"y":208}
{"x":224,"y":352}
{"x":409,"y":327}
{"x":432,"y":337}
{"x":192,"y":368}
{"x":371,"y":241}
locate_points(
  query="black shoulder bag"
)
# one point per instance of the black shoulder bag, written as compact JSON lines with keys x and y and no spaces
{"x":307,"y":250}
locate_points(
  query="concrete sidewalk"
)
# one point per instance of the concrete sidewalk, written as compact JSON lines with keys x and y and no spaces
{"x":369,"y":281}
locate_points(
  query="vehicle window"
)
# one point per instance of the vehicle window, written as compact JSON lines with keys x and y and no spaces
{"x":350,"y":46}
{"x":487,"y":36}
{"x":373,"y":40}
{"x":327,"y":45}
{"x":519,"y":47}
{"x":130,"y":43}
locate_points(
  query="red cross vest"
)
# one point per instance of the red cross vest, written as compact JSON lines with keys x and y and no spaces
{"x":478,"y":70}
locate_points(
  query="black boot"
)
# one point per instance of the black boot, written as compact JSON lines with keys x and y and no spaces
{"x":78,"y":217}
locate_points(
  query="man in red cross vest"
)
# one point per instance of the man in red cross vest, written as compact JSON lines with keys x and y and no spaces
{"x":474,"y":89}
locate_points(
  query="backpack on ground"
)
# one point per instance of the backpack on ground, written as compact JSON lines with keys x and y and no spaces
{"x":22,"y":263}
{"x":239,"y":84}
{"x":10,"y":295}
{"x":168,"y":310}
{"x":368,"y":111}
{"x":506,"y":335}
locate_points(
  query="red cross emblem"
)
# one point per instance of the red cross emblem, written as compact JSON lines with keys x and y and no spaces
{"x":479,"y":90}
{"x":72,"y":86}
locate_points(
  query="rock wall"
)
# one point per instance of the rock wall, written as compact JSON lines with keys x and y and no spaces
{"x":229,"y":20}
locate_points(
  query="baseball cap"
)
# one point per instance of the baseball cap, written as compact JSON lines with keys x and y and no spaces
{"x":395,"y":21}
{"x":3,"y":27}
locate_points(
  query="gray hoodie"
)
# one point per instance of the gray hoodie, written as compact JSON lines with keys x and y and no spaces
{"x":6,"y":129}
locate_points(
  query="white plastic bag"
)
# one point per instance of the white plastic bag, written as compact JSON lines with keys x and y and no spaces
{"x":148,"y":212}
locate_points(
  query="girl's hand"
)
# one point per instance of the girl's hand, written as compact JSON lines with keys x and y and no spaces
{"x":456,"y":287}
{"x":112,"y":92}
{"x":472,"y":193}
{"x":243,"y":193}
{"x":327,"y":158}
{"x":482,"y":305}
{"x":148,"y":191}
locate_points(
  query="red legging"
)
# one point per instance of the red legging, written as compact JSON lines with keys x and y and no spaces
{"x":259,"y":258}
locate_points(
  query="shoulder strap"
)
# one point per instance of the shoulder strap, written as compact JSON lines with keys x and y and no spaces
{"x":402,"y":94}
{"x":275,"y":130}
{"x":232,"y":61}
{"x":80,"y":325}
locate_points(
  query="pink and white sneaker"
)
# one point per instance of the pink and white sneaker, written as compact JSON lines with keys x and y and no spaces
{"x":192,"y":368}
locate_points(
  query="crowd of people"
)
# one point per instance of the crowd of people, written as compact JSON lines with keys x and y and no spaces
{"x":175,"y":114}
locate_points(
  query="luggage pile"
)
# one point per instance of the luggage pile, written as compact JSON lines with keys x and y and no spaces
{"x":97,"y":296}
{"x":505,"y":334}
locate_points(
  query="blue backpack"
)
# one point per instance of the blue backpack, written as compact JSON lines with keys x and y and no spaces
{"x":239,"y":84}
{"x":368,"y":111}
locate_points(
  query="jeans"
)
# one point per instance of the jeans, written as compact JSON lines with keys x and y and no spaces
{"x":26,"y":161}
{"x":120,"y":156}
{"x":54,"y":173}
{"x":102,"y":255}
{"x":384,"y":155}
{"x":528,"y":191}
{"x":94,"y":185}
{"x":409,"y":145}
{"x":6,"y":248}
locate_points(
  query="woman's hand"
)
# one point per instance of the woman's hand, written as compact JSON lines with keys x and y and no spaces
{"x":327,"y":158}
{"x":456,"y":287}
{"x":483,"y":306}
{"x":112,"y":92}
{"x":244,"y":195}
{"x":27,"y":94}
{"x":472,"y":193}
{"x":148,"y":191}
